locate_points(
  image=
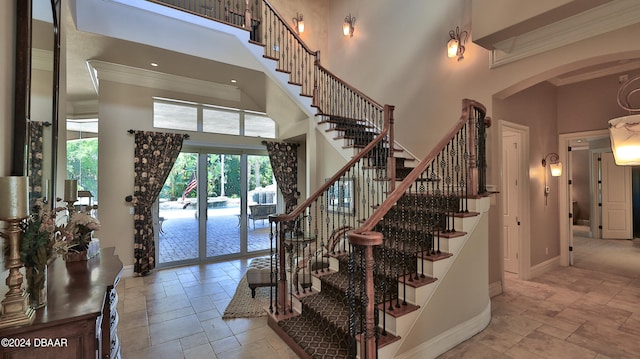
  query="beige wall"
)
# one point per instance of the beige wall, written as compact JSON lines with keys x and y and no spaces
{"x":314,"y":13}
{"x":400,"y":55}
{"x":536,"y":108}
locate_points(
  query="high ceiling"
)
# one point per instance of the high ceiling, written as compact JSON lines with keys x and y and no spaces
{"x":82,"y":46}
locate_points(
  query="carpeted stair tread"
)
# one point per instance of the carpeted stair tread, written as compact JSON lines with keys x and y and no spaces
{"x":330,"y":309}
{"x":315,"y":338}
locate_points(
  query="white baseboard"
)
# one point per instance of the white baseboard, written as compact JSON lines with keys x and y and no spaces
{"x":451,"y":337}
{"x":544,"y":267}
{"x":495,"y":288}
{"x":127,"y":271}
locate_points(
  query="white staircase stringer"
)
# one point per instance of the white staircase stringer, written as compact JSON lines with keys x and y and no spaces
{"x":446,"y":339}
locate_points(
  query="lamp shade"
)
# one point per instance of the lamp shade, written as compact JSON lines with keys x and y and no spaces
{"x":14,"y":197}
{"x":70,"y":190}
{"x":625,"y":140}
{"x":556,"y":169}
{"x":346,"y":28}
{"x":452,"y":48}
{"x":300,"y":26}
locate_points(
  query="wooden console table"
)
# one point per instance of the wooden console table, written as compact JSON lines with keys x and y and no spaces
{"x":80,"y":319}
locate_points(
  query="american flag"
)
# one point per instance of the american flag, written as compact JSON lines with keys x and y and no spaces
{"x":193,"y":184}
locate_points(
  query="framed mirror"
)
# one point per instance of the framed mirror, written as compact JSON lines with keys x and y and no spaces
{"x":37,"y":96}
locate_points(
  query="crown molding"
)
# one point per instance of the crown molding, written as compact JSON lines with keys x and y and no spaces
{"x":593,"y":22}
{"x":153,"y":79}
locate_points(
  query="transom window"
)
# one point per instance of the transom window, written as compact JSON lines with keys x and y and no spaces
{"x":187,"y":116}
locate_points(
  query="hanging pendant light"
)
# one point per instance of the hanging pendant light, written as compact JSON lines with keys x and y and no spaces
{"x":625,"y":131}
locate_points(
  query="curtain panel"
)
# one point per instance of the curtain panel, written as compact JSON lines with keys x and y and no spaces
{"x":154,"y":156}
{"x":36,"y":148}
{"x":284,"y":163}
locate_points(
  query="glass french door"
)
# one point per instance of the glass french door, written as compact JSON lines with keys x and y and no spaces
{"x":213,"y":206}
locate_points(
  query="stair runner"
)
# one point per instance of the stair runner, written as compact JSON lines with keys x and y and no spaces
{"x":358,"y":134}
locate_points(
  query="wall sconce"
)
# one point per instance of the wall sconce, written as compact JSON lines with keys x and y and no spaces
{"x":348,"y":26}
{"x":556,"y":171}
{"x":455,"y":46}
{"x":298,"y":23}
{"x":625,"y":131}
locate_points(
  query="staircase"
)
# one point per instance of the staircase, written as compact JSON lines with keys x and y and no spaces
{"x":357,"y":267}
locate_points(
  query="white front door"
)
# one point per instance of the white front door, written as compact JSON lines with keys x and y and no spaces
{"x":511,"y":143}
{"x":616,"y":199}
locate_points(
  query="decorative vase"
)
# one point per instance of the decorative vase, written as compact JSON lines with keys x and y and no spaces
{"x":37,"y":287}
{"x":75,"y":256}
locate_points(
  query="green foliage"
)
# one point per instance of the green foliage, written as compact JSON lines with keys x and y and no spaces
{"x":186,"y":166}
{"x":82,"y":163}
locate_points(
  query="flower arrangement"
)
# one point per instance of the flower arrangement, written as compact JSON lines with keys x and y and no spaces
{"x":37,"y":247}
{"x":78,"y":230}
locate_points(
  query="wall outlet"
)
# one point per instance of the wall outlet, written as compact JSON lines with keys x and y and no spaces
{"x":547,"y":189}
{"x":131,"y":210}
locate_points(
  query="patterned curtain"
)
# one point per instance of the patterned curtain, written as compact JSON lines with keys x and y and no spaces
{"x":284,"y":163}
{"x":154,"y":156}
{"x":34,"y":167}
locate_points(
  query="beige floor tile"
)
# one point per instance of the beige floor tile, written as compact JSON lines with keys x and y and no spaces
{"x":203,"y":351}
{"x":133,"y":320}
{"x":225,"y":345}
{"x":550,"y":347}
{"x":168,"y":350}
{"x":133,"y":339}
{"x":174,"y":329}
{"x":193,"y":341}
{"x":606,"y":340}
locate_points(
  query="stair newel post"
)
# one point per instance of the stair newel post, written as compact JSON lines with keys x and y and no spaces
{"x":368,"y":240}
{"x":391,"y":160}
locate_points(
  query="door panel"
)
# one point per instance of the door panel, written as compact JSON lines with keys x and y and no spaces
{"x":616,"y":199}
{"x":510,"y":205}
{"x":177,"y":234}
{"x":223,"y":205}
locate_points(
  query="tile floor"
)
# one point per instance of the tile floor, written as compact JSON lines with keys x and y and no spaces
{"x":590,"y":310}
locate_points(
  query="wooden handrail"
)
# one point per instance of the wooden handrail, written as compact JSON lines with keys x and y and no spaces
{"x":353,"y":89}
{"x":285,"y":217}
{"x":291,"y":30}
{"x":400,"y":189}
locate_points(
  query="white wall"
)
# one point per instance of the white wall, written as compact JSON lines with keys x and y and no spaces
{"x":123,"y":107}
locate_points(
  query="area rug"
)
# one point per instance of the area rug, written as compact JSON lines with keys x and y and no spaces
{"x":243,"y":306}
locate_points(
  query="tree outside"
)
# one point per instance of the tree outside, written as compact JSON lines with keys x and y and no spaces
{"x":82,"y":164}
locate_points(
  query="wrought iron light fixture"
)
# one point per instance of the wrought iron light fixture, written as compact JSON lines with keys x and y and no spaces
{"x":298,"y":23}
{"x":348,"y":26}
{"x":455,"y":46}
{"x":554,"y":164}
{"x":625,"y":131}
{"x":556,"y":171}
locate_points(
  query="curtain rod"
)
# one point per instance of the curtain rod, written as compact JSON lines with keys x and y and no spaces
{"x":186,"y":135}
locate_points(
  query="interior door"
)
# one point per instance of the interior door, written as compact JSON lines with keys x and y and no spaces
{"x":616,"y":199}
{"x":511,"y":144}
